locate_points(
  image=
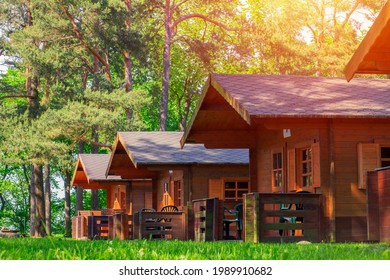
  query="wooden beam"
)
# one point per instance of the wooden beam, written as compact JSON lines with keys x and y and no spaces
{"x":224,"y":139}
{"x":368,"y":42}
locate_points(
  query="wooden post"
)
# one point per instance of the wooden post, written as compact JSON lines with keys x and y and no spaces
{"x":250,"y":217}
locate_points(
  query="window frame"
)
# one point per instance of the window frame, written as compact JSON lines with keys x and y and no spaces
{"x":236,"y":189}
{"x":278,"y":169}
{"x":305,"y":177}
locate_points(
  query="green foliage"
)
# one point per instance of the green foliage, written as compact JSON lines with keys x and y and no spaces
{"x":66,"y":249}
{"x":14,"y":197}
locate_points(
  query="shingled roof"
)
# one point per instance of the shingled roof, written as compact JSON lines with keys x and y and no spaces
{"x":95,"y":165}
{"x":304,"y":96}
{"x":164,"y":148}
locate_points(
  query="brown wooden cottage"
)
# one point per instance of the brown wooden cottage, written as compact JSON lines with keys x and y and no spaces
{"x":372,"y":57}
{"x":150,"y":170}
{"x":316,"y":134}
{"x":90,"y":173}
{"x":179,"y":175}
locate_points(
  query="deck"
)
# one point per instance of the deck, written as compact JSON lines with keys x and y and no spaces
{"x":265,"y":218}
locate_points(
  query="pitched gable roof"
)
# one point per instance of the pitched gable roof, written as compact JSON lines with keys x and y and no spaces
{"x":230,"y":103}
{"x":91,"y":168}
{"x":163,"y":148}
{"x":372,"y":55}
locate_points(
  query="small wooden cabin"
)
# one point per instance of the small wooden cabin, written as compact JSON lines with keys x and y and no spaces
{"x":372,"y":57}
{"x":316,"y":134}
{"x":90,"y":173}
{"x":179,"y":175}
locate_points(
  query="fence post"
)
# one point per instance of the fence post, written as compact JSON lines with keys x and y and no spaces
{"x":250,"y":217}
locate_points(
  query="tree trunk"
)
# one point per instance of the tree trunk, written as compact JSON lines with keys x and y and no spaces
{"x":127,"y":53}
{"x":95,"y":193}
{"x":184,"y":116}
{"x":33,"y":206}
{"x":47,"y":198}
{"x":39,"y":228}
{"x":79,"y":190}
{"x":166,"y":67}
{"x":68,"y":225}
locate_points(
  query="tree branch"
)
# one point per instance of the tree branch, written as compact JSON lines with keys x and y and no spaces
{"x":79,"y":36}
{"x":179,"y":4}
{"x":205,"y":18}
{"x":86,"y":140}
{"x":16,"y":96}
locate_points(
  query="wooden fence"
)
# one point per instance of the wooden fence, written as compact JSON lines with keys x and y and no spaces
{"x":90,"y":225}
{"x":208,"y":219}
{"x":378,"y":205}
{"x":160,"y":225}
{"x":263,"y":216}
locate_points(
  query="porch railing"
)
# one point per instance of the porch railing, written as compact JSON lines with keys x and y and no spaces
{"x":207,"y":219}
{"x":95,"y":225}
{"x":266,"y":221}
{"x":159,"y":225}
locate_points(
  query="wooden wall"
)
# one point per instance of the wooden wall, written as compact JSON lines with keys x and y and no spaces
{"x":345,"y":211}
{"x":132,"y":196}
{"x":195,"y":179}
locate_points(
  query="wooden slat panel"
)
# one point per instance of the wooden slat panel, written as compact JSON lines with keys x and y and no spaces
{"x":261,"y":217}
{"x":207,"y":217}
{"x":368,"y":160}
{"x":165,"y":225}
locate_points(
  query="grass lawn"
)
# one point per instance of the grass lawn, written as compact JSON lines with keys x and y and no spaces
{"x":69,"y":249}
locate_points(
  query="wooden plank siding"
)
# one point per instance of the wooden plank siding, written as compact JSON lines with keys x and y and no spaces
{"x":349,"y":209}
{"x":202,"y":179}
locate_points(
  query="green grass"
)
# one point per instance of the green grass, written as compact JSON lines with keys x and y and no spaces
{"x":68,"y":249}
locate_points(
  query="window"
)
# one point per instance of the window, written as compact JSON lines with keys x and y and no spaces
{"x":385,"y":156}
{"x":234,"y":189}
{"x":306,"y":170}
{"x":304,"y":167}
{"x":277,"y":170}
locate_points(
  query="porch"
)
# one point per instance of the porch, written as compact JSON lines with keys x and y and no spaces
{"x":266,"y":217}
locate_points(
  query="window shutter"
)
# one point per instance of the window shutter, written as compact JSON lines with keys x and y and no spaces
{"x":315,"y":148}
{"x":216,"y":189}
{"x":291,"y":170}
{"x":368,"y":160}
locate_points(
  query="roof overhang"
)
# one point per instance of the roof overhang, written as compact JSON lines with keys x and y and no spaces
{"x":373,"y":54}
{"x":122,"y":162}
{"x":82,"y":179}
{"x":219,"y":120}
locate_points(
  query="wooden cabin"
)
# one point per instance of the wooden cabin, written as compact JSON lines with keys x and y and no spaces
{"x":90,"y":173}
{"x":316,"y":134}
{"x":372,"y":57}
{"x":179,"y":175}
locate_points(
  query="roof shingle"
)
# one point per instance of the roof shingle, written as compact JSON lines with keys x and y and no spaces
{"x":95,"y":166}
{"x":292,"y":96}
{"x":164,"y":148}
